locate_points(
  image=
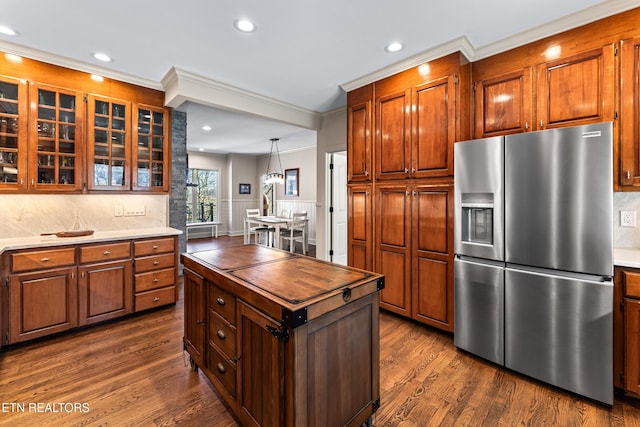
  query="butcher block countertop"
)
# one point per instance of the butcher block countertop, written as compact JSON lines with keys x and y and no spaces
{"x":98,"y":236}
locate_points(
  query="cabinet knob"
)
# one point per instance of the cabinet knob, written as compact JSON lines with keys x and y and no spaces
{"x":106,"y":253}
{"x":221,"y":334}
{"x":156,"y":299}
{"x":541,"y":123}
{"x":628,"y":175}
{"x":220,"y":301}
{"x":366,"y":173}
{"x":156,"y":280}
{"x":526,"y":125}
{"x":221,"y":368}
{"x":406,"y":170}
{"x":156,"y":262}
{"x":45,"y":259}
{"x":199,"y":322}
{"x":155,"y":247}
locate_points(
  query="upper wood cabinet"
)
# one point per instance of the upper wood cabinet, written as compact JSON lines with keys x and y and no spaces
{"x":13,"y":133}
{"x":359,"y":133}
{"x":576,"y":90}
{"x":56,"y":140}
{"x":630,"y":112}
{"x":151,"y":153}
{"x":108,"y":143}
{"x":503,"y":103}
{"x":419,"y":114}
{"x":61,"y":131}
{"x":573,"y":90}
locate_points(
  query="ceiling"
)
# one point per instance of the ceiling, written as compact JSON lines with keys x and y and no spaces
{"x":301,"y":59}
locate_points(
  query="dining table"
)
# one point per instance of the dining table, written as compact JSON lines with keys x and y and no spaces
{"x":270,"y":221}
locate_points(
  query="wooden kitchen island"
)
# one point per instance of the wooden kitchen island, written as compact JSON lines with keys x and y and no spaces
{"x":286,"y":340}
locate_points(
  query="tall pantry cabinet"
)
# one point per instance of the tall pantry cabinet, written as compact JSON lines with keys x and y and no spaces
{"x":401,"y":132}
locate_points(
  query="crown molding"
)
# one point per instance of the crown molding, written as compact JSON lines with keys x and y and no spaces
{"x":460,"y":44}
{"x":463,"y":45}
{"x":87,"y":67}
{"x":181,"y":85}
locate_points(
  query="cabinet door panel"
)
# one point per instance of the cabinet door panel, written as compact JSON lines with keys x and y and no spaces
{"x":430,"y":296}
{"x":13,"y":134}
{"x":151,"y":149}
{"x":359,"y":133}
{"x":396,"y":293}
{"x":632,"y":345}
{"x":360,"y":239}
{"x":260,"y":369}
{"x":432,"y":219}
{"x":194,"y":315}
{"x":393,"y":136}
{"x":576,"y":90}
{"x":105,"y":292}
{"x":434,"y":128}
{"x":504,"y":103}
{"x":393,"y":218}
{"x":42,"y":303}
{"x":630,"y":112}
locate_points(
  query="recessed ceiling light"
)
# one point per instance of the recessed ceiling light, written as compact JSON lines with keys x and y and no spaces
{"x":102,"y":57}
{"x":97,"y":78}
{"x":201,"y":149}
{"x":393,"y":47}
{"x":206,"y":128}
{"x":244,"y":25}
{"x":8,"y":31}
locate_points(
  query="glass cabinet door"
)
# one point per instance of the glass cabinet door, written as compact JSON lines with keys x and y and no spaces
{"x":150,"y":149}
{"x":13,"y":133}
{"x":108,"y":144}
{"x":55,"y":162}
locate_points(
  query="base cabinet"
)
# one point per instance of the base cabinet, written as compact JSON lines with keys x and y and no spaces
{"x":285,"y":352}
{"x":42,"y":303}
{"x":626,"y":330}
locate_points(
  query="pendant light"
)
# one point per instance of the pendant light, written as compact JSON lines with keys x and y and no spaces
{"x":274,"y":177}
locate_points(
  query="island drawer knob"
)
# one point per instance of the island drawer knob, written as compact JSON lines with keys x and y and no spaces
{"x":221,"y":368}
{"x":221,"y":301}
{"x":221,"y":334}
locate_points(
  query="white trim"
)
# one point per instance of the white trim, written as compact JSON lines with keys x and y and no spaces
{"x":181,"y":86}
{"x":87,"y":67}
{"x":462,"y":44}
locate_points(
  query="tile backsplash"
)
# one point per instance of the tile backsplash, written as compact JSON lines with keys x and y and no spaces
{"x":626,"y":237}
{"x":28,"y":215}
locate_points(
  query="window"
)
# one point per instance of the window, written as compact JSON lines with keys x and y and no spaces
{"x":202,"y":195}
{"x":267,"y":199}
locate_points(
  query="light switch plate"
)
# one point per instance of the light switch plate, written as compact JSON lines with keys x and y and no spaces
{"x":627,"y":218}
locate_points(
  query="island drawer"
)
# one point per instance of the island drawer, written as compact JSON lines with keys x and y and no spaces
{"x":155,"y":279}
{"x":37,"y":260}
{"x":108,"y":252}
{"x":155,"y":298}
{"x":223,"y":303}
{"x":222,"y":369}
{"x":632,"y":284}
{"x":155,"y":246}
{"x":154,"y":262}
{"x":222,"y":334}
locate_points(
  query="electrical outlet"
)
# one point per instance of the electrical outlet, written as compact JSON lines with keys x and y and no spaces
{"x":627,"y":218}
{"x":134,"y":210}
{"x":118,"y":210}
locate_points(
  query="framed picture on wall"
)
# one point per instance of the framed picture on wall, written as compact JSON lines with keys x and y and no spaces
{"x":291,"y":182}
{"x":245,"y":188}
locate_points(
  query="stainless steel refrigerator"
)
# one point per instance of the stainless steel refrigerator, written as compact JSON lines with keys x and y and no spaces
{"x":534,"y":255}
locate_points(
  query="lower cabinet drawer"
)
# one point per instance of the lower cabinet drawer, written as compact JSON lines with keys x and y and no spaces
{"x":35,"y":260}
{"x":222,"y":334}
{"x":155,"y":298}
{"x":222,"y":369}
{"x":155,"y":279}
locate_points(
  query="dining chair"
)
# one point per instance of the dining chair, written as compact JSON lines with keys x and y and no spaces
{"x":259,"y":230}
{"x":297,"y":232}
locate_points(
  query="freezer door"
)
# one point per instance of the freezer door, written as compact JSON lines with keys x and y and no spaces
{"x":479,"y":198}
{"x":559,"y":199}
{"x":560,"y":331}
{"x":479,"y":309}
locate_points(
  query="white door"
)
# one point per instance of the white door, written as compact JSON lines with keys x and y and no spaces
{"x":338,"y":201}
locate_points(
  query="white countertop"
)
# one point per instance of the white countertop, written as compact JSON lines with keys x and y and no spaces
{"x":98,"y":236}
{"x":626,"y":257}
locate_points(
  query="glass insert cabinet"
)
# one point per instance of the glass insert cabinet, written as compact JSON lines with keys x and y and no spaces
{"x":13,"y":134}
{"x":55,"y":140}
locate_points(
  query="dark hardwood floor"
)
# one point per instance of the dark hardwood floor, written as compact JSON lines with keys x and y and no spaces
{"x":133,"y":372}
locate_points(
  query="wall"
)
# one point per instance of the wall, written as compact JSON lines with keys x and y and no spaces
{"x":626,"y":237}
{"x":21,"y":216}
{"x":332,"y":137}
{"x":305,"y":160}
